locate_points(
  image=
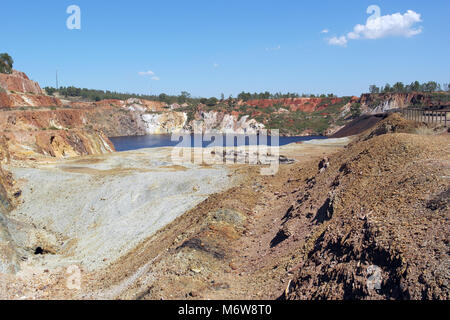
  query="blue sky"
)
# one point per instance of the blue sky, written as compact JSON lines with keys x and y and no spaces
{"x":226,"y":46}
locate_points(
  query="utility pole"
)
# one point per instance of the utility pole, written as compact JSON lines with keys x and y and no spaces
{"x":57,"y":88}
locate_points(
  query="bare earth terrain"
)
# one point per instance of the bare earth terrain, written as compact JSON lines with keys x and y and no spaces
{"x":359,"y":218}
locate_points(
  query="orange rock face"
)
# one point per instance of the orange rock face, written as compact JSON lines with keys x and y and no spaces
{"x":17,"y":90}
{"x":41,"y":119}
{"x":19,"y":82}
{"x":33,"y":124}
{"x":59,"y":144}
{"x":298,"y":104}
{"x":155,"y":106}
{"x":31,"y":100}
{"x":4,"y":100}
{"x":109,"y":103}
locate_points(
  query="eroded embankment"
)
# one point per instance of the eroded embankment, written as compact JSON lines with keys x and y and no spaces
{"x":8,"y":199}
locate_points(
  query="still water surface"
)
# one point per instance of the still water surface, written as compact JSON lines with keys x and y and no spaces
{"x":156,"y":141}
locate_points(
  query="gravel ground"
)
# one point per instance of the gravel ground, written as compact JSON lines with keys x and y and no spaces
{"x":93,"y":210}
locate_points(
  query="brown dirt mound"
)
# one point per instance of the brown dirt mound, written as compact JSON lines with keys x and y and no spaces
{"x":359,"y":125}
{"x":394,"y":123}
{"x":370,"y":126}
{"x":379,"y":220}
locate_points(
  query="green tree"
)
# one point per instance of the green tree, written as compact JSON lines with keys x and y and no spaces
{"x":374,"y":89}
{"x":387,"y":88}
{"x":211,"y":102}
{"x":6,"y":63}
{"x":245,"y":96}
{"x":355,"y":110}
{"x":415,"y":86}
{"x":163,"y":97}
{"x":185,"y":96}
{"x":430,"y":86}
{"x":398,"y":87}
{"x":50,"y":90}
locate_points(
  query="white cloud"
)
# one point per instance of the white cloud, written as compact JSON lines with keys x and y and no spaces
{"x":335,"y":41}
{"x":215,"y":65}
{"x":146,"y":73}
{"x":377,"y":27}
{"x":278,"y":47}
{"x":390,"y":25}
{"x":149,"y":73}
{"x":325,"y":31}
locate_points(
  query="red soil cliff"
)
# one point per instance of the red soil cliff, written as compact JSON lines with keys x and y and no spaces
{"x":297,"y":104}
{"x":18,"y":81}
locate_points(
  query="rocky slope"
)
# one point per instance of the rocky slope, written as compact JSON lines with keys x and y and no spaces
{"x":326,"y":116}
{"x":379,"y":103}
{"x":296,"y":104}
{"x":378,"y":214}
{"x":20,"y":100}
{"x":33,"y":124}
{"x":368,"y":222}
{"x":17,"y":90}
{"x":19,"y":81}
{"x":9,"y":196}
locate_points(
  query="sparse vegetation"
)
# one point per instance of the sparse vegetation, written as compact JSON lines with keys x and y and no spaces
{"x":355,"y":110}
{"x":6,"y":63}
{"x":415,"y":86}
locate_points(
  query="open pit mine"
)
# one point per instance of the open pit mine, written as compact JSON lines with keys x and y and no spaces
{"x":363,"y":215}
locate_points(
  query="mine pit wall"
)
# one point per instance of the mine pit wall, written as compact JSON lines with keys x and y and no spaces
{"x":9,"y":261}
{"x":295,"y":104}
{"x":83,"y":128}
{"x":19,"y":82}
{"x":172,"y":122}
{"x":68,"y":132}
{"x":19,"y":100}
{"x":58,"y":133}
{"x":73,"y":143}
{"x":4,"y":99}
{"x":58,"y":143}
{"x":379,"y":103}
